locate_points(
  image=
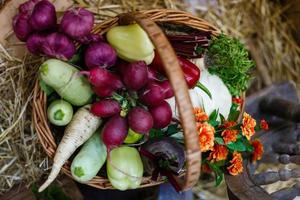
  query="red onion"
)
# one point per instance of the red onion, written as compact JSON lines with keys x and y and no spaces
{"x":59,"y":46}
{"x":28,"y":6}
{"x":100,"y":54}
{"x":43,"y":16}
{"x":90,"y":38}
{"x":34,"y":43}
{"x":21,"y":26}
{"x":77,"y":22}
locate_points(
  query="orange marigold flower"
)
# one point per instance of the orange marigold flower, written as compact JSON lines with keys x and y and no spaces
{"x":229,"y":135}
{"x":218,"y":153}
{"x":248,"y":126}
{"x":200,"y":115}
{"x":258,"y":150}
{"x":236,"y":166}
{"x":264,"y":125}
{"x":206,"y":136}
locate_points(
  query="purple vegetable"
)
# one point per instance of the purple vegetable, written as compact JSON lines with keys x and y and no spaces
{"x":161,"y":114}
{"x":106,"y":108}
{"x":166,"y":86}
{"x":140,"y":120}
{"x":90,"y":38}
{"x":166,"y":149}
{"x":100,"y":54}
{"x":135,"y":75}
{"x":152,"y":95}
{"x":152,"y":74}
{"x":28,"y":6}
{"x":59,"y":46}
{"x":43,"y":16}
{"x":21,"y":26}
{"x":34,"y":43}
{"x":77,"y":22}
{"x":114,"y":132}
{"x":100,"y":77}
{"x":103,"y":91}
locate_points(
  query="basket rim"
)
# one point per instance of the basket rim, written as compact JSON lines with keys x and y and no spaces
{"x":40,"y":99}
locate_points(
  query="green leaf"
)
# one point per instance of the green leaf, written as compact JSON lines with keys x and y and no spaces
{"x":172,"y":129}
{"x":214,"y":115}
{"x":234,"y":112}
{"x":214,"y":123}
{"x":222,"y":117}
{"x":46,"y":88}
{"x":156,"y":133}
{"x":236,"y":146}
{"x":219,"y":140}
{"x":204,"y":89}
{"x":218,"y":172}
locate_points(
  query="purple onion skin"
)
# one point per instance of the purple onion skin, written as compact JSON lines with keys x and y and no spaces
{"x":43,"y":16}
{"x":166,"y":86}
{"x":135,"y":75}
{"x":90,"y":38}
{"x":114,"y":131}
{"x":21,"y":26}
{"x":100,"y":54}
{"x":34,"y":43}
{"x":77,"y":22}
{"x":140,"y":120}
{"x":161,"y":114}
{"x":106,"y":108}
{"x":59,"y":46}
{"x":28,"y":6}
{"x":152,"y":95}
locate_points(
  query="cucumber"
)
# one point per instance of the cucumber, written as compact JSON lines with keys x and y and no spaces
{"x":89,"y":160}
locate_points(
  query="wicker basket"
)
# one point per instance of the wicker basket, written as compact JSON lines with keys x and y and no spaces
{"x":146,"y":20}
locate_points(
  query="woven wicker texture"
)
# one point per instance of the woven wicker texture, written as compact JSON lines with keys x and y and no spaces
{"x":146,"y":19}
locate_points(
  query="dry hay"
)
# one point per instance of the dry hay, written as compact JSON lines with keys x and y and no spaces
{"x":258,"y":23}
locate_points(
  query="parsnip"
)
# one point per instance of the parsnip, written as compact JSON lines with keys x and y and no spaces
{"x":79,"y":130}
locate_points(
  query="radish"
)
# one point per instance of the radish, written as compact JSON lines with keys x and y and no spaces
{"x":79,"y":130}
{"x":100,"y":77}
{"x":114,"y":132}
{"x":135,"y":75}
{"x":140,"y":120}
{"x":106,"y":108}
{"x":162,"y":115}
{"x":152,"y":95}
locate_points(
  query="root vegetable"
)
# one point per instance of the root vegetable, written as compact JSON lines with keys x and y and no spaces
{"x":106,"y":108}
{"x":79,"y":130}
{"x":161,"y":114}
{"x":66,"y":81}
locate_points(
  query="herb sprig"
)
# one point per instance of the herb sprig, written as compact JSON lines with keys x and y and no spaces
{"x":228,"y":58}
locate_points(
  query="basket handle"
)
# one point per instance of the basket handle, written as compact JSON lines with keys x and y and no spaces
{"x":180,"y":88}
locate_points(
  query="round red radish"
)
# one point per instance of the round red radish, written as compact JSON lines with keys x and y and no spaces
{"x":135,"y":75}
{"x":106,"y":108}
{"x":152,"y":95}
{"x":140,"y":120}
{"x":114,"y":131}
{"x":162,"y":115}
{"x":103,"y":91}
{"x":166,"y":86}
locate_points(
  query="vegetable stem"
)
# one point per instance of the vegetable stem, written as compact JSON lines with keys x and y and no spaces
{"x":204,"y":89}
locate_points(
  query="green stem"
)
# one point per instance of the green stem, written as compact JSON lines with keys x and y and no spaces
{"x":204,"y":89}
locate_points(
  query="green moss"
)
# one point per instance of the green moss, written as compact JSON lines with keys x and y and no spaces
{"x":228,"y":58}
{"x":79,"y":171}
